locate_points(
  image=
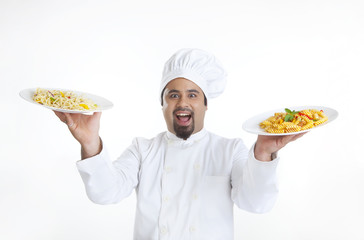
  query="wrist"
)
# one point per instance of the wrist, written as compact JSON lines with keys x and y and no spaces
{"x":262,"y":155}
{"x":91,"y":149}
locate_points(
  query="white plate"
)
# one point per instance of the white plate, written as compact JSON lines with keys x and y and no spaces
{"x":252,"y":124}
{"x":102,"y":103}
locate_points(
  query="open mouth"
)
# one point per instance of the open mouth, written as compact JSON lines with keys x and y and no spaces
{"x":183,"y":118}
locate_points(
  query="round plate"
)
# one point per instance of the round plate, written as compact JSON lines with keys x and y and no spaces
{"x":252,"y":124}
{"x":102,"y":103}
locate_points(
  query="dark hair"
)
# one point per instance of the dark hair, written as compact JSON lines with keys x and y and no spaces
{"x":204,"y":97}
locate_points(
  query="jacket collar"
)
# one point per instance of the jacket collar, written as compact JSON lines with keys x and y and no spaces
{"x":172,"y":138}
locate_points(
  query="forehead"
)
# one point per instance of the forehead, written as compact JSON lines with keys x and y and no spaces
{"x":182,"y":84}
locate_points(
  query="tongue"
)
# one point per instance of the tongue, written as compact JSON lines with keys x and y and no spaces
{"x":184,"y":119}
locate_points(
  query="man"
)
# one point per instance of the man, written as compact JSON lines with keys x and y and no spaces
{"x":186,"y":179}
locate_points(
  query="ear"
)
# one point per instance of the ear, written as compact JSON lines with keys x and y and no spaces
{"x":162,"y":96}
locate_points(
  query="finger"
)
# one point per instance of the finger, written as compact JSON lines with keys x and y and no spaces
{"x":292,"y":138}
{"x":69,"y":120}
{"x":60,"y":115}
{"x":97,"y":115}
{"x":297,"y":136}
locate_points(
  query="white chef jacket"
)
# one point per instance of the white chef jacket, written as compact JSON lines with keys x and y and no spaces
{"x":185,"y":188}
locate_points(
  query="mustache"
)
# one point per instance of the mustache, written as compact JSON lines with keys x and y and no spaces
{"x":184,"y":110}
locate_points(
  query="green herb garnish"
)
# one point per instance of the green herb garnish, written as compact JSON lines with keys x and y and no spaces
{"x":290,"y":115}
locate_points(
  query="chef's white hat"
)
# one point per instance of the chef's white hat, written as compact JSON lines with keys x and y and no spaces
{"x":198,"y":66}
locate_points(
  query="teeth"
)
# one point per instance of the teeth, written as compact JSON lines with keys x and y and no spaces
{"x":183,"y":114}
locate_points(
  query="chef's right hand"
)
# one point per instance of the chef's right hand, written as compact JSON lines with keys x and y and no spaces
{"x":85,"y":129}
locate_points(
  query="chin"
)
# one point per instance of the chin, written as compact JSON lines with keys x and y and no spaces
{"x":184,"y":132}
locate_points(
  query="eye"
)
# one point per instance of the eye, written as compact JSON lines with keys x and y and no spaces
{"x":192,"y":95}
{"x":174,"y":95}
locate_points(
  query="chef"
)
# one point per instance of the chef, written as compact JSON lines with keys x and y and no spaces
{"x":186,"y":179}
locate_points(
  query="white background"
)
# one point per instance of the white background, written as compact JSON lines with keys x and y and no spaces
{"x":278,"y":54}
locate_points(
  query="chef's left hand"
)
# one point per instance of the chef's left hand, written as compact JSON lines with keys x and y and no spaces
{"x":267,"y":145}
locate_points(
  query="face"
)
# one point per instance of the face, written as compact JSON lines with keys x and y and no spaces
{"x":183,"y":107}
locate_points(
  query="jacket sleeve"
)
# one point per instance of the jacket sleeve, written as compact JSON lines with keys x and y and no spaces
{"x":254,"y":183}
{"x":108,"y":182}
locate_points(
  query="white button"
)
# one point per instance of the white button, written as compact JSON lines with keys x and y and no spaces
{"x":197,"y":166}
{"x":194,"y":197}
{"x":163,"y":230}
{"x":192,"y":229}
{"x":168,"y":169}
{"x":166,"y":199}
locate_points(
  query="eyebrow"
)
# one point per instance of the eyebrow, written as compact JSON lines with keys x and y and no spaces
{"x":177,"y":91}
{"x":193,"y":90}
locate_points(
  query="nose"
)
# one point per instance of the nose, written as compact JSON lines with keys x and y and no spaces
{"x":183,"y":102}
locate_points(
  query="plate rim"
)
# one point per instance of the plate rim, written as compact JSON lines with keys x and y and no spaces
{"x":27,"y":94}
{"x":266,"y":114}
